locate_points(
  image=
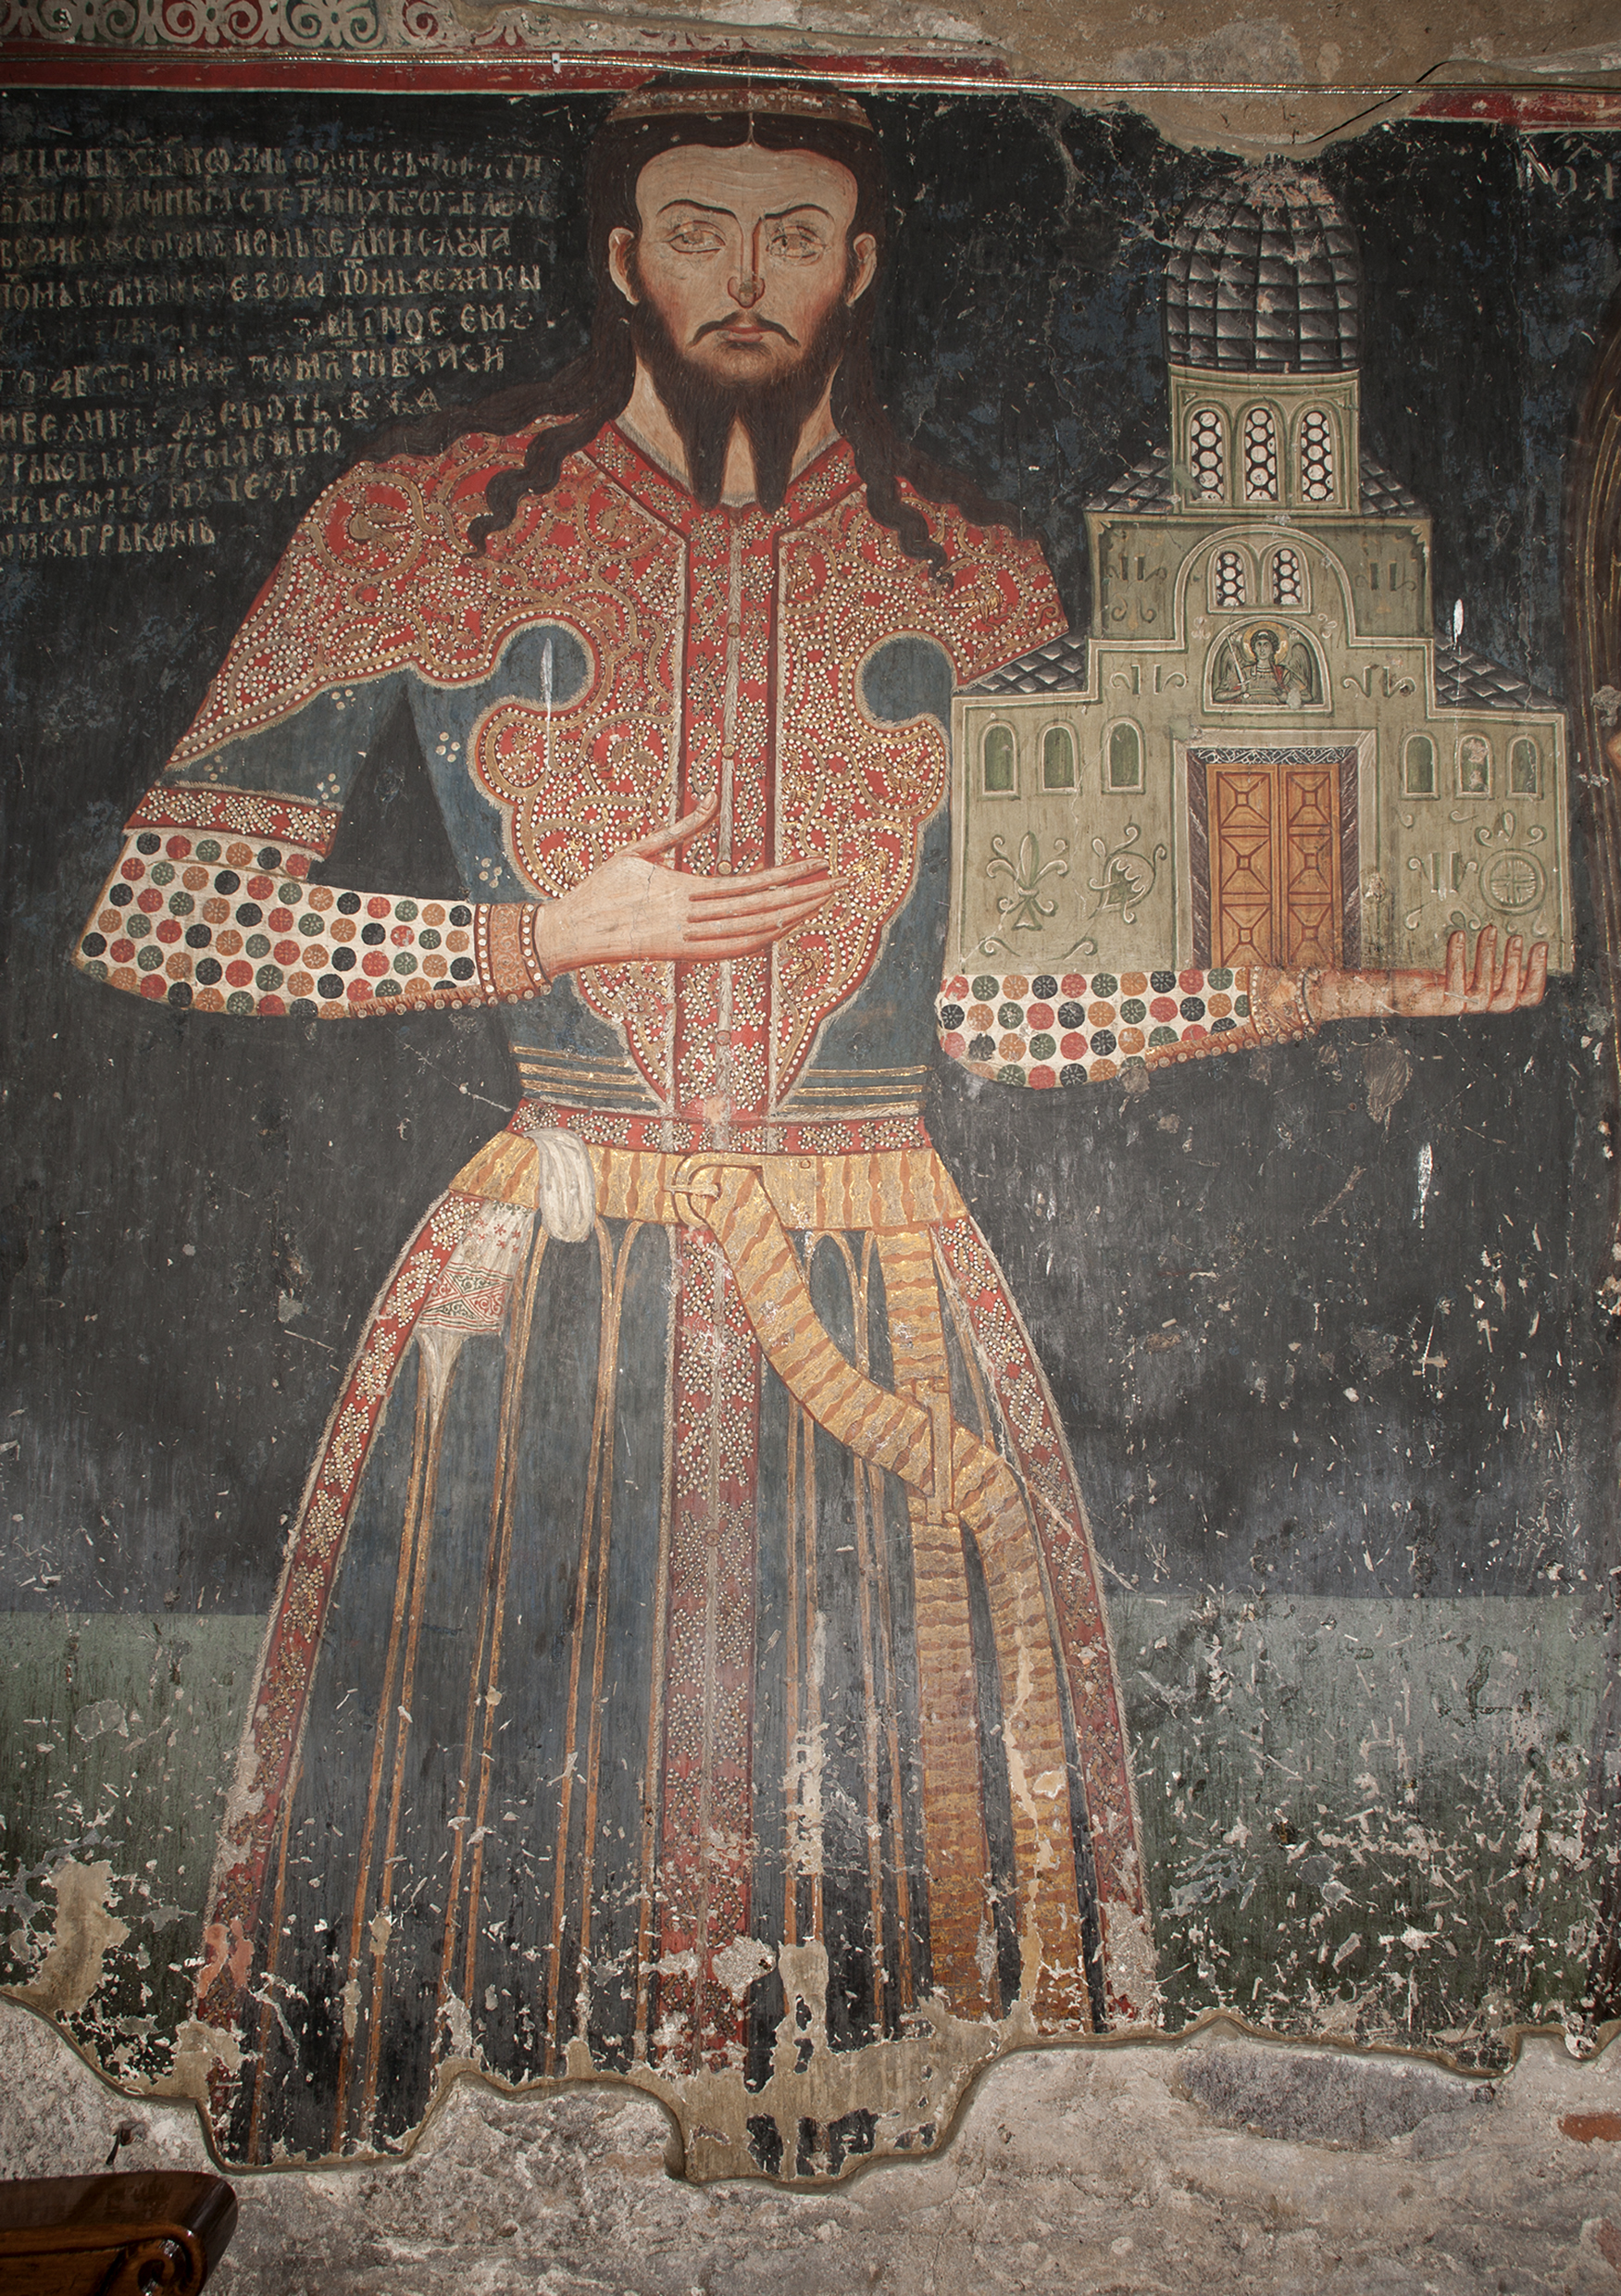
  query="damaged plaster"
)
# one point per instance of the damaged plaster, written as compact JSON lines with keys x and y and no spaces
{"x":82,"y":1934}
{"x":1339,"y":1902}
{"x":1219,"y":2163}
{"x":1290,"y":79}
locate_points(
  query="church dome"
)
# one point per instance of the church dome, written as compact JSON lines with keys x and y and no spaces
{"x":1265,"y":277}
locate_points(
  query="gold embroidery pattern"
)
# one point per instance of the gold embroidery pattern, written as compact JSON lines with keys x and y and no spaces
{"x":708,"y":1817}
{"x":777,"y":613}
{"x":240,"y":813}
{"x":378,"y":578}
{"x":856,"y":790}
{"x":725,"y":647}
{"x":580,"y":783}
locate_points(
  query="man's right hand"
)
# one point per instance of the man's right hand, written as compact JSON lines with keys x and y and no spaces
{"x":638,"y":907}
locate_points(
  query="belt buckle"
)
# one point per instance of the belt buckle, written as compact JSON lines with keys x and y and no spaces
{"x":684,"y":1181}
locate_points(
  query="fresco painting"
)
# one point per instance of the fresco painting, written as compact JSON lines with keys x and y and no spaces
{"x":946,"y":1386}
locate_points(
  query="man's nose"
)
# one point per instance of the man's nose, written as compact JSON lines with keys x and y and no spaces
{"x":749,"y":283}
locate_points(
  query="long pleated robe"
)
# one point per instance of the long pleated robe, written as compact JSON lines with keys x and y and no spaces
{"x":689,"y":1662}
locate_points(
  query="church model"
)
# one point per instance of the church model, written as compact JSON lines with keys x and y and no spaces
{"x":1261,"y":754}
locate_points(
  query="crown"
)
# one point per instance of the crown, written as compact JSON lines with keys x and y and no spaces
{"x":771,"y":99}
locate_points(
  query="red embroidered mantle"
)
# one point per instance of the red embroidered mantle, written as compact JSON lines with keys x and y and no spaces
{"x":726,"y":649}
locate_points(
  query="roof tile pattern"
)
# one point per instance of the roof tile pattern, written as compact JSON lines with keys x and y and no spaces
{"x":1264,"y":275}
{"x":1057,"y":667}
{"x":1146,"y":486}
{"x":1384,"y":495}
{"x":1465,"y":679}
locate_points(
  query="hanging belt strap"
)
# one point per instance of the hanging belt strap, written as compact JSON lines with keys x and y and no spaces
{"x":727,"y":1199}
{"x":959,"y":1480}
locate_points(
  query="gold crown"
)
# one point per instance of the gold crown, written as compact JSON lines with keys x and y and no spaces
{"x":771,"y":99}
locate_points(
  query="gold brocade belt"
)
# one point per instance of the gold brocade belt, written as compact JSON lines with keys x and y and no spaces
{"x":955,"y":1479}
{"x":890,"y":1188}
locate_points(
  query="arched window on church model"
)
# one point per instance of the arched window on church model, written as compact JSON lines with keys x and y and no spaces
{"x":1228,"y":583}
{"x":1418,"y":767}
{"x":1123,"y":757}
{"x":1288,"y":578}
{"x":1208,"y":450}
{"x":1524,"y":779}
{"x":1058,"y":759}
{"x":1260,"y":456}
{"x":1316,"y":457}
{"x":998,"y":762}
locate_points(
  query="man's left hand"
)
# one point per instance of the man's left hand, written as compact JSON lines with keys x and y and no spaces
{"x":1490,"y":985}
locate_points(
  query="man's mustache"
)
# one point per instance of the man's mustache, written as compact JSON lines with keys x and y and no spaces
{"x":761,"y":326}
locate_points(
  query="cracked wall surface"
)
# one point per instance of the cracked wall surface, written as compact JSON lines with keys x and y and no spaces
{"x":1325,"y":72}
{"x":1220,"y":2163}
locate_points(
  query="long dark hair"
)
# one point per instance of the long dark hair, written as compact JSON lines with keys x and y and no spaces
{"x":592,"y":390}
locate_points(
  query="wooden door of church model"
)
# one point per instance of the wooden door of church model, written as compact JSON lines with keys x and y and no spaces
{"x":1274,"y":868}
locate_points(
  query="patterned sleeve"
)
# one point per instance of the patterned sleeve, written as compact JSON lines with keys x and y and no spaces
{"x":208,"y":903}
{"x":1045,"y":1030}
{"x":219,"y":922}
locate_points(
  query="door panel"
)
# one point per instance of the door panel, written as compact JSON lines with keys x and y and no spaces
{"x":1275,"y":865}
{"x":1310,"y":868}
{"x":1243,"y":873}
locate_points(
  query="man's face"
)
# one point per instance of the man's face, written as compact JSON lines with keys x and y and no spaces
{"x":743,"y":254}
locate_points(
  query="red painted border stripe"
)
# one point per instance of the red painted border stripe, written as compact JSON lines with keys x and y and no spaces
{"x":1519,"y":107}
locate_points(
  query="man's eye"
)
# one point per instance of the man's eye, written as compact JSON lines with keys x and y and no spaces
{"x":692,"y":238}
{"x":797,"y":243}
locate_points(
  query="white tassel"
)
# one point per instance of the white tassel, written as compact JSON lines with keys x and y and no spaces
{"x":567,"y":1187}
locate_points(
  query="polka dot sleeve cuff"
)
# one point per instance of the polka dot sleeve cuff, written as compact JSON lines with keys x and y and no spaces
{"x":219,"y":924}
{"x":1081,"y":1028}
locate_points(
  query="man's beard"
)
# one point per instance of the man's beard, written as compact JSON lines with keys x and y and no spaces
{"x":703,"y":408}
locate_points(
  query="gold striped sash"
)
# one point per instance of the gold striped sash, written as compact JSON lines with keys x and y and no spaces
{"x":957,"y":1480}
{"x":955,"y":1849}
{"x":889,"y":1188}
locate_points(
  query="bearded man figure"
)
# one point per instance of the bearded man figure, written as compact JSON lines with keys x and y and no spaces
{"x":688,"y":1662}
